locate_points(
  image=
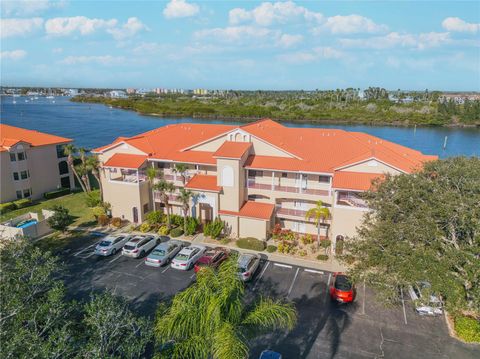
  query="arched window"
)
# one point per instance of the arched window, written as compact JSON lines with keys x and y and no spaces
{"x":227,"y":176}
{"x":238,"y":137}
{"x":63,"y":167}
{"x":339,"y":244}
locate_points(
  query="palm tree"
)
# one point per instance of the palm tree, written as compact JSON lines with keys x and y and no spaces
{"x":86,"y":180}
{"x":70,"y":151}
{"x":185,"y":197}
{"x":319,"y":213}
{"x":181,"y":169}
{"x":151,"y":175}
{"x":210,"y":319}
{"x":165,"y":188}
{"x":93,"y":165}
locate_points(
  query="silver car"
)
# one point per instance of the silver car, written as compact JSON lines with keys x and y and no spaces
{"x":247,"y":266}
{"x":163,"y":253}
{"x":138,"y":246}
{"x":426,"y":302}
{"x":187,"y":257}
{"x":111,"y":244}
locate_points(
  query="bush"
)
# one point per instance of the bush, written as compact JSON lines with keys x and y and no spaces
{"x":286,"y":247}
{"x":225,"y":240}
{"x":163,"y":231}
{"x":339,"y":248}
{"x":7,"y":207}
{"x":176,"y":220}
{"x":325,"y":243}
{"x":214,"y":229}
{"x":154,"y":217}
{"x":116,"y":222}
{"x":467,"y":329}
{"x":144,"y":227}
{"x":103,"y":220}
{"x":92,"y":199}
{"x":57,"y":193}
{"x":251,"y":243}
{"x":322,"y":257}
{"x":307,"y":239}
{"x":192,"y":225}
{"x":98,"y":211}
{"x":302,"y":252}
{"x":22,"y":203}
{"x":176,"y":232}
{"x":60,"y":219}
{"x":271,"y":248}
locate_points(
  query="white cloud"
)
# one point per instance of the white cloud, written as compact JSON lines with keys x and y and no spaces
{"x":458,"y":25}
{"x":147,"y":47}
{"x":102,"y":60}
{"x":316,"y":54}
{"x":13,"y":55}
{"x":19,"y":27}
{"x":350,"y":24}
{"x":28,"y":7}
{"x":180,"y":8}
{"x":63,"y":26}
{"x":236,"y":33}
{"x":287,"y":40}
{"x":127,"y":30}
{"x":268,"y":13}
{"x":395,"y":39}
{"x":57,"y":50}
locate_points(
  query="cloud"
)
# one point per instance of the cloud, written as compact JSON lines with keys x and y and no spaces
{"x":57,"y":50}
{"x":13,"y":55}
{"x":19,"y":27}
{"x":102,"y":60}
{"x":28,"y":7}
{"x":458,"y":25}
{"x":64,"y":26}
{"x":287,"y":40}
{"x":127,"y":30}
{"x":236,"y":34}
{"x":316,"y":54}
{"x":268,"y":13}
{"x":180,"y":8}
{"x":395,"y":39}
{"x":350,"y":24}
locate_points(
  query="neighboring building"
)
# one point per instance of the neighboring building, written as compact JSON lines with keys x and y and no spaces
{"x":117,"y":94}
{"x":200,"y":92}
{"x":131,"y":91}
{"x":254,"y":176}
{"x":32,"y":163}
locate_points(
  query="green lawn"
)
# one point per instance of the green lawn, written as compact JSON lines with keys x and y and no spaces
{"x":74,"y":202}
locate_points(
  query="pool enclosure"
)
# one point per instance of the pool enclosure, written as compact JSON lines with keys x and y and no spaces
{"x":29,"y":225}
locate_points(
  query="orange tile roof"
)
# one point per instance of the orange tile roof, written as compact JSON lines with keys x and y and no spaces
{"x":358,"y":181}
{"x":231,"y":149}
{"x":204,"y":183}
{"x":125,"y":160}
{"x":251,"y":209}
{"x":11,"y":135}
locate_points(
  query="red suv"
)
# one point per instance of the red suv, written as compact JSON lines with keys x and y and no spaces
{"x":342,"y":289}
{"x":212,"y":258}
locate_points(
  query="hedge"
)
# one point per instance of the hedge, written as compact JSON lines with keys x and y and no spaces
{"x":322,"y":257}
{"x":58,"y":193}
{"x":271,"y":248}
{"x":251,"y":243}
{"x":10,"y":206}
{"x":176,"y":232}
{"x":468,"y":329}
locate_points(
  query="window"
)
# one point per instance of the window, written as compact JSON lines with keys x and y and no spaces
{"x":26,"y":193}
{"x":324,"y":179}
{"x":161,"y":164}
{"x":24,"y":175}
{"x":253,"y":173}
{"x":21,"y":156}
{"x":63,"y":167}
{"x":65,"y":182}
{"x":19,"y":194}
{"x":13,"y":158}
{"x":15,"y":176}
{"x":145,"y":208}
{"x":61,"y":151}
{"x":284,"y":174}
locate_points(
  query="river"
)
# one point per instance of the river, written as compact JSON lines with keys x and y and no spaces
{"x":94,"y":125}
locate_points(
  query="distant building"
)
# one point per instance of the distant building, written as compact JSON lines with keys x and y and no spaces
{"x":72,"y":92}
{"x":200,"y":92}
{"x":117,"y":94}
{"x":459,"y":98}
{"x":131,"y":91}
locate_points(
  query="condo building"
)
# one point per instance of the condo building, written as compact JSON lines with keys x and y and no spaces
{"x":253,"y":176}
{"x":32,"y":163}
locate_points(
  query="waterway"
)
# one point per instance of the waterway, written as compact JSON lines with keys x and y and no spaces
{"x":94,"y":125}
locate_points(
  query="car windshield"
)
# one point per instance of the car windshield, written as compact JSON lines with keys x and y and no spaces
{"x":343,"y":283}
{"x":242,"y":270}
{"x":182,"y":257}
{"x":158,"y":252}
{"x":105,"y":243}
{"x":129,"y":247}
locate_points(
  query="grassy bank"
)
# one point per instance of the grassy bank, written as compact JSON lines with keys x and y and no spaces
{"x":311,"y":110}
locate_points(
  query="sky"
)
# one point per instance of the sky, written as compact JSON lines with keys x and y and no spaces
{"x":267,"y":45}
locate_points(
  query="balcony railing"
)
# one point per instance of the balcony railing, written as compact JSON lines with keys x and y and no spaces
{"x":251,"y":183}
{"x":351,"y":200}
{"x":128,"y":176}
{"x":291,"y":212}
{"x":158,"y":197}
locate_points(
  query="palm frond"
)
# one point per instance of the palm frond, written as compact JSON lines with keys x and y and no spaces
{"x":270,"y":314}
{"x":228,"y":345}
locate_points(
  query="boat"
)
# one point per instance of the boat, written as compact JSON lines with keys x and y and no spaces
{"x":14,"y":102}
{"x":50,"y":97}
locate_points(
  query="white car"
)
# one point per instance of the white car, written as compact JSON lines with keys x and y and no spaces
{"x":187,"y":257}
{"x":426,"y":302}
{"x":111,"y":244}
{"x":139,"y":246}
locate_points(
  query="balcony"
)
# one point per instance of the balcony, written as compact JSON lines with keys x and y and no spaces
{"x":127,"y":176}
{"x":251,"y":183}
{"x":171,"y":197}
{"x":351,"y":199}
{"x":291,"y":212}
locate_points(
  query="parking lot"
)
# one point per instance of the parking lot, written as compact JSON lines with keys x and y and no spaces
{"x":363,"y":329}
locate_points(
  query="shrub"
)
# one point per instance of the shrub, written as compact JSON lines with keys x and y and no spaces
{"x":271,"y":248}
{"x":192,"y":225}
{"x":163,"y":231}
{"x":57,"y":193}
{"x":22,"y":203}
{"x":307,"y":239}
{"x":176,"y":232}
{"x":251,"y":243}
{"x":92,"y":199}
{"x":7,"y":207}
{"x":154,"y":217}
{"x":313,"y":248}
{"x":225,"y":240}
{"x":103,"y":220}
{"x":467,"y":329}
{"x":325,"y":243}
{"x":286,"y":247}
{"x":144,"y":227}
{"x":116,"y":222}
{"x":339,"y":248}
{"x":302,"y":252}
{"x":322,"y":257}
{"x":176,"y":220}
{"x":214,"y":229}
{"x":60,"y":219}
{"x":98,"y":211}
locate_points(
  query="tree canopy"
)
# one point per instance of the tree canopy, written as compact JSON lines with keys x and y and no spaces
{"x":424,"y":226}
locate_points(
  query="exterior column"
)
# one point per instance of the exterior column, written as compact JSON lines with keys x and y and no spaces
{"x":273,"y":180}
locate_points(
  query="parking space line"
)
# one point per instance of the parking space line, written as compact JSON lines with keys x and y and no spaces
{"x":403,"y":305}
{"x":313,"y":271}
{"x":260,"y":276}
{"x":328,"y":288}
{"x":193,"y":275}
{"x":282,"y":265}
{"x":168,"y":267}
{"x":293,"y":282}
{"x":139,"y":264}
{"x":90,"y":246}
{"x":114,"y":259}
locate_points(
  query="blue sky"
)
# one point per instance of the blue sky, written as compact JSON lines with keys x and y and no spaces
{"x":241,"y":44}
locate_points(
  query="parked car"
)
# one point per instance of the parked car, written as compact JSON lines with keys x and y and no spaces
{"x":342,"y":289}
{"x":111,"y":244}
{"x":425,"y":301}
{"x":270,"y":354}
{"x":163,"y":253}
{"x":138,"y":246}
{"x":247,"y":266}
{"x":187,"y":257}
{"x":211,"y":258}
